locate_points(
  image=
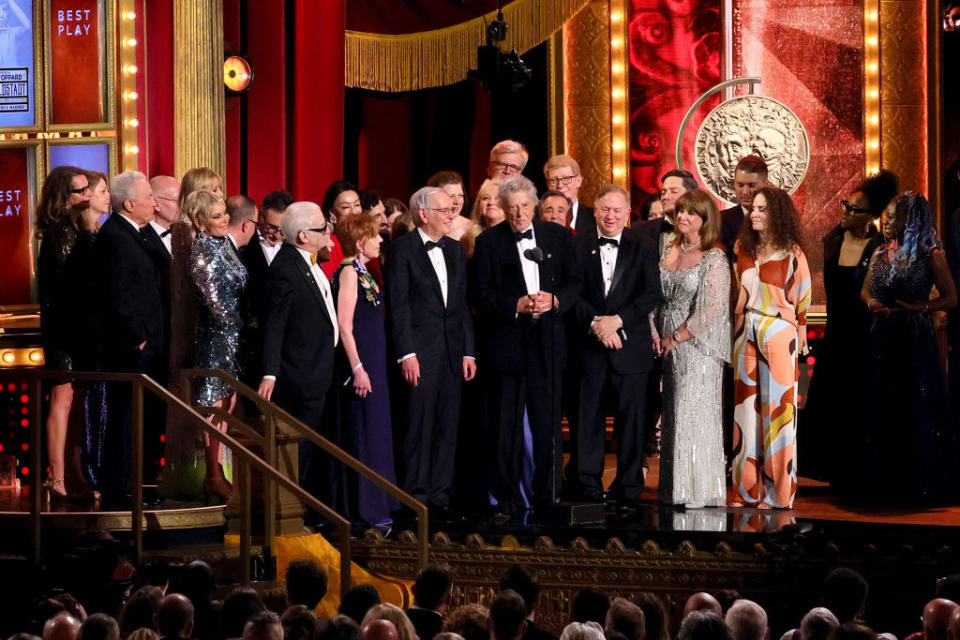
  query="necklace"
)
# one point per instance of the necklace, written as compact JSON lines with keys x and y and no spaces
{"x":685,"y":249}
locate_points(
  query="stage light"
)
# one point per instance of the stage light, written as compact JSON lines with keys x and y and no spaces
{"x":8,"y":357}
{"x":615,"y":43}
{"x":132,"y":148}
{"x":130,"y":95}
{"x":617,"y":67}
{"x":617,"y":94}
{"x":618,"y":119}
{"x":130,"y":16}
{"x":616,"y":16}
{"x":237,"y":73}
{"x":34,"y":356}
{"x":874,"y":119}
{"x":619,"y":112}
{"x":618,"y":145}
{"x":618,"y":171}
{"x":131,"y":42}
{"x":132,"y":122}
{"x":130,"y":69}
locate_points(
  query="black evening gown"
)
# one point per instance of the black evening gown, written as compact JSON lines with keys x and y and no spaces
{"x":909,"y":447}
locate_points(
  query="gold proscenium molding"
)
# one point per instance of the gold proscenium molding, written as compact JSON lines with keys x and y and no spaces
{"x":619,"y":94}
{"x":129,"y":100}
{"x":871,"y":85}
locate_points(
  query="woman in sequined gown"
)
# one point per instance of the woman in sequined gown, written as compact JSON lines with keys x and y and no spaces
{"x":909,"y":441}
{"x":220,"y":277}
{"x":366,"y":406}
{"x":694,"y":338}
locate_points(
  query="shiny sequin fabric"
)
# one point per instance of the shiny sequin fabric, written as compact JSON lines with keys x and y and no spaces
{"x":691,"y":458}
{"x":220,"y":278}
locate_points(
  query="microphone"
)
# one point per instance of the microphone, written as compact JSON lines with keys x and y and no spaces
{"x":535,"y":254}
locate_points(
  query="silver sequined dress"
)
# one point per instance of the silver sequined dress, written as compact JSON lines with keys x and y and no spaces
{"x":220,"y":278}
{"x":691,"y":458}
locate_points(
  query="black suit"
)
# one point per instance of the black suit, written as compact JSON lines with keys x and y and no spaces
{"x":586,"y":221}
{"x":440,"y":336}
{"x":298,"y":345}
{"x":427,"y":622}
{"x":634,"y":292}
{"x":252,"y":305}
{"x":730,"y":222}
{"x":535,"y":632}
{"x":133,"y":314}
{"x":525,"y":356}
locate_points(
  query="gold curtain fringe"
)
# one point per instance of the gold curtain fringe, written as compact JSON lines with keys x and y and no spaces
{"x":426,"y":59}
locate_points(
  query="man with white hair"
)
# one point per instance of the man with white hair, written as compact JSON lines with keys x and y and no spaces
{"x":132,"y":316}
{"x":432,"y":331}
{"x":747,"y":621}
{"x":300,"y":328}
{"x":507,"y":159}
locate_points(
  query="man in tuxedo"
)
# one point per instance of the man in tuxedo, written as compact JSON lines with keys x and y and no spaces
{"x":507,"y":159}
{"x":563,"y":174}
{"x":166,"y":191}
{"x":300,"y":328}
{"x":431,"y":595}
{"x":525,"y":279}
{"x":620,"y":287}
{"x":674,"y":184}
{"x":555,"y":207}
{"x":133,"y":319}
{"x":432,"y":336}
{"x":750,"y":176}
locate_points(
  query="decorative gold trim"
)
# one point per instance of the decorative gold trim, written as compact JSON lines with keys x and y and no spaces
{"x":127,"y":29}
{"x":109,"y":28}
{"x":619,"y":95}
{"x":935,"y":109}
{"x":411,"y":61}
{"x":871,"y":86}
{"x":39,"y":71}
{"x":555,"y":64}
{"x":108,"y":140}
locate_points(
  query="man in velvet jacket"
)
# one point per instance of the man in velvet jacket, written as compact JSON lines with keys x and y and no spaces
{"x":524,"y":280}
{"x":620,"y":287}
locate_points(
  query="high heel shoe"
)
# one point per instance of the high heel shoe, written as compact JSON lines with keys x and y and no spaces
{"x":56,"y":491}
{"x":217,"y":488}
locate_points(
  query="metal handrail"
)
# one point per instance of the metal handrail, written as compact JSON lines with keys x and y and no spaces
{"x":247,"y":459}
{"x":273,"y":412}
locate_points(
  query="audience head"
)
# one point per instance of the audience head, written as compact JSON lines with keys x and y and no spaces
{"x":507,"y":158}
{"x":99,"y":202}
{"x":675,"y":183}
{"x":166,"y":191}
{"x":305,"y":227}
{"x":654,"y":616}
{"x":556,"y":207}
{"x":471,"y":621}
{"x":199,"y":582}
{"x":749,"y":177}
{"x":817,"y":624}
{"x":271,"y":215}
{"x":747,"y":621}
{"x":651,"y":209}
{"x":773,"y":217}
{"x":263,"y":626}
{"x":393,"y":613}
{"x":64,"y":602}
{"x":852,"y":631}
{"x":612,"y":209}
{"x":208,"y":212}
{"x":372,"y":205}
{"x":936,"y":618}
{"x":448,"y":635}
{"x":431,"y":211}
{"x":99,"y":626}
{"x":339,"y":627}
{"x":702,"y":601}
{"x":508,"y":616}
{"x":869,"y":200}
{"x":590,"y":605}
{"x":130,"y":195}
{"x":563,"y":174}
{"x":140,"y":610}
{"x":582,"y":631}
{"x":242,"y":604}
{"x":379,"y":630}
{"x":486,"y":210}
{"x":433,"y":587}
{"x":143,"y":634}
{"x":175,"y":616}
{"x":242,"y":213}
{"x":199,"y":179}
{"x":452,"y":184}
{"x":953,"y":628}
{"x":696,"y":215}
{"x":65,"y":190}
{"x":518,"y":199}
{"x":341,"y":200}
{"x":523,"y":582}
{"x":360,"y":599}
{"x":626,"y":618}
{"x":845,"y":594}
{"x":359,"y":236}
{"x":306,"y":581}
{"x":299,"y":623}
{"x":703,"y":625}
{"x":62,"y":626}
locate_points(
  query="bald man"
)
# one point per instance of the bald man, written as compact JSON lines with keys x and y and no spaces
{"x":747,"y":621}
{"x":174,"y":617}
{"x":62,"y":626}
{"x":953,"y":628}
{"x":379,"y":630}
{"x":166,"y":191}
{"x":936,"y":618}
{"x":702,"y":601}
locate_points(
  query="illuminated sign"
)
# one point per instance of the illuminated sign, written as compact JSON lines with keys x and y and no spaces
{"x":17,"y":73}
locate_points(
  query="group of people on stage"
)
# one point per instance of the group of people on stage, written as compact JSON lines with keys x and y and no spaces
{"x":358,"y":315}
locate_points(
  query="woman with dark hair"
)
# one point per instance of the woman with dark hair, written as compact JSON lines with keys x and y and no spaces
{"x":830,"y":419}
{"x":694,"y":339}
{"x":909,"y":438}
{"x":66,"y":232}
{"x":340,"y":200}
{"x":773,"y":279}
{"x":360,"y":315}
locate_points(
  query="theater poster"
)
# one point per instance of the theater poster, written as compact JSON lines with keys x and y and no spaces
{"x":80,"y":54}
{"x":18,"y":180}
{"x":19,"y":61}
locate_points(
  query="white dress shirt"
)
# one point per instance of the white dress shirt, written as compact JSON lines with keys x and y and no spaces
{"x":573,"y":214}
{"x":165,"y":239}
{"x":130,"y":221}
{"x":531,"y":270}
{"x":439,"y":264}
{"x":608,"y":260}
{"x":270,"y":251}
{"x":325,"y":291}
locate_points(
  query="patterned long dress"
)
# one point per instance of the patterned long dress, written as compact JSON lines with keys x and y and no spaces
{"x":691,"y":460}
{"x":770,"y":315}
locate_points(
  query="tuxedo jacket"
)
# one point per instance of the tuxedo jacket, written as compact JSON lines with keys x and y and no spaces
{"x":634,"y":293}
{"x":586,"y":220}
{"x":428,"y":623}
{"x":163,"y":258}
{"x":730,"y":222}
{"x":133,"y":309}
{"x":252,"y":304}
{"x":297,"y":330}
{"x":513,"y":341}
{"x":418,"y":320}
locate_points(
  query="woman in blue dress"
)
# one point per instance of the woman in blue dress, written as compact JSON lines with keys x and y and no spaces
{"x":366,"y":407}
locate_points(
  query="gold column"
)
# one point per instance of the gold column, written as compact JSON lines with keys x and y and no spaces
{"x":198,"y":85}
{"x":586,"y":87}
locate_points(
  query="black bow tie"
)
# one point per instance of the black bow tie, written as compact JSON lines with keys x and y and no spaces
{"x":165,"y":233}
{"x":430,"y":244}
{"x":611,"y":241}
{"x":523,"y":235}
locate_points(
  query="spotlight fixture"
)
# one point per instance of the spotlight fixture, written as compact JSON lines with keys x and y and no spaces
{"x":237,"y":74}
{"x":495,"y":69}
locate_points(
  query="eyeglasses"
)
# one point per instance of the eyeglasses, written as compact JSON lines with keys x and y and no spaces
{"x":444,"y":212}
{"x":507,"y":167}
{"x":268,"y":228}
{"x":324,"y":229}
{"x":80,"y":190}
{"x":849,"y":209}
{"x":563,"y":180}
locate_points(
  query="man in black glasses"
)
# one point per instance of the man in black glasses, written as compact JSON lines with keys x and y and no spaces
{"x":563,"y":174}
{"x":507,"y":159}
